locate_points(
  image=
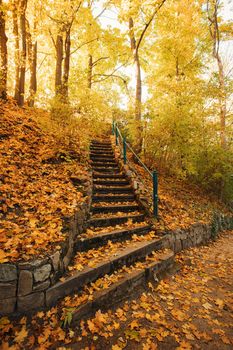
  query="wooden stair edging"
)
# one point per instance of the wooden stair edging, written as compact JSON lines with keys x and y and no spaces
{"x":89,"y":274}
{"x":23,"y":284}
{"x":113,"y":198}
{"x":114,"y":208}
{"x":127,"y":285}
{"x":115,"y":220}
{"x":114,"y":236}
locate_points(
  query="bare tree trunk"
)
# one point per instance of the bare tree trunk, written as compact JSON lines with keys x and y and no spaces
{"x":32,"y":58}
{"x":222,"y":101}
{"x":89,"y":71}
{"x":3,"y":48}
{"x":16,"y":54}
{"x":138,"y":97}
{"x":138,"y":90}
{"x":59,"y":59}
{"x":66,"y":70}
{"x":23,"y":53}
{"x":33,"y":77}
{"x":213,"y":7}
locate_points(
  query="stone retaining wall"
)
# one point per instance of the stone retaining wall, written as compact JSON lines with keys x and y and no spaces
{"x":23,"y":284}
{"x":197,"y":234}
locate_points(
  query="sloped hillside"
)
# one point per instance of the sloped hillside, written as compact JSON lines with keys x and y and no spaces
{"x":36,"y":191}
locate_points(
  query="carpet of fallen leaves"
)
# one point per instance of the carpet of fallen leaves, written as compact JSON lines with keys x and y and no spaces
{"x":35,"y":187}
{"x":191,"y":310}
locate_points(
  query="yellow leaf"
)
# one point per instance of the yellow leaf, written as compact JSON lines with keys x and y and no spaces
{"x":134,"y":324}
{"x":207,"y":306}
{"x":219,"y":303}
{"x":3,"y":256}
{"x":116,"y":347}
{"x":21,"y":335}
{"x":178,"y":315}
{"x":92,"y":326}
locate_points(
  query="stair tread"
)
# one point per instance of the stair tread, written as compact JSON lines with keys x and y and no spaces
{"x":121,"y":280}
{"x":98,"y":197}
{"x":115,"y":206}
{"x":77,"y":279}
{"x":109,"y":234}
{"x":115,"y":218}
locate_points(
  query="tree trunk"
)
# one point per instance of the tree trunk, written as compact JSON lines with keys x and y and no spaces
{"x":59,"y":59}
{"x":33,"y":77}
{"x":138,"y":90}
{"x":213,"y":8}
{"x":32,"y":58}
{"x":66,"y":71}
{"x":3,"y":48}
{"x":89,"y":71}
{"x":16,"y":54}
{"x":23,"y":53}
{"x":222,"y":101}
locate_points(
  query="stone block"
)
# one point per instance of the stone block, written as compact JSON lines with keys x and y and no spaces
{"x":178,"y":246}
{"x":41,"y":286}
{"x":25,"y":282}
{"x":31,"y":302}
{"x":7,"y":306}
{"x":7,"y":290}
{"x":8,"y":272}
{"x":32,"y":264}
{"x":55,"y":258}
{"x":42,"y":273}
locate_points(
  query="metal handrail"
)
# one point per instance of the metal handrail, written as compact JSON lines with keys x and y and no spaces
{"x":116,"y":131}
{"x":139,"y":160}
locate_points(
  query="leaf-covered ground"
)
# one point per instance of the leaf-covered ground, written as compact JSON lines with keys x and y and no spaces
{"x":35,"y":187}
{"x":191,"y":310}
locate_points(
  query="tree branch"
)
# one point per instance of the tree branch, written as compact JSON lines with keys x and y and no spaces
{"x":86,"y":43}
{"x":148,"y":24}
{"x":99,"y":59}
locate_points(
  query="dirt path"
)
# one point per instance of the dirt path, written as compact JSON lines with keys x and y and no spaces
{"x":191,"y":310}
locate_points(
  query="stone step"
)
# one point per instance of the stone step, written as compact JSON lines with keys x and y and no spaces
{"x":102,"y":159}
{"x":127,"y":284}
{"x":126,"y":189}
{"x":105,"y":170}
{"x":114,"y":209}
{"x":110,"y":183}
{"x":102,"y":153}
{"x":109,"y":176}
{"x":98,"y":149}
{"x":101,"y":144}
{"x":97,"y":164}
{"x":105,"y":143}
{"x":101,"y":239}
{"x":114,"y":220}
{"x":127,"y":256}
{"x":118,"y":175}
{"x":113,"y":198}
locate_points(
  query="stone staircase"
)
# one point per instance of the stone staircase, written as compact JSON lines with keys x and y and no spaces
{"x":119,"y":235}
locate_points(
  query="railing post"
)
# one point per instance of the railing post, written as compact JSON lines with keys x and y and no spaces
{"x":116,"y":133}
{"x":155,"y":194}
{"x":113,"y":127}
{"x":124,"y":150}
